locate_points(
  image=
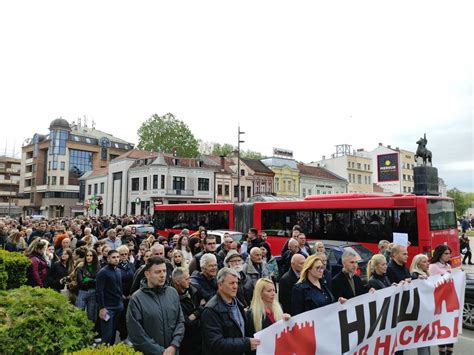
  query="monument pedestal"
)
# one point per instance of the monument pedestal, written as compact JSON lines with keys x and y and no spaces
{"x":426,"y":181}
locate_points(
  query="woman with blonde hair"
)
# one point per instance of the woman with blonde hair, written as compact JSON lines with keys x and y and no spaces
{"x":177,"y":259}
{"x":376,"y":272}
{"x":419,"y":267}
{"x":311,"y":292}
{"x":265,"y":308}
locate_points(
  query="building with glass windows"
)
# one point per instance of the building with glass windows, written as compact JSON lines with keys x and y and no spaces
{"x":51,"y":165}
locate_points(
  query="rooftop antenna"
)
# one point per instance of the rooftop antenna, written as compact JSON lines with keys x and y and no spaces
{"x":93,"y":124}
{"x":79,"y":122}
{"x":85,"y":121}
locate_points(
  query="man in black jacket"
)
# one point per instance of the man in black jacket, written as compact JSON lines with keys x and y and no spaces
{"x":205,"y":281}
{"x":346,"y":283}
{"x":288,"y":280}
{"x":396,"y":269}
{"x":223,"y":320}
{"x":109,"y":297}
{"x":192,"y":305}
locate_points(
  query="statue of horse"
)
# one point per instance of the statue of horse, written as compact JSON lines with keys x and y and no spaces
{"x":421,"y":151}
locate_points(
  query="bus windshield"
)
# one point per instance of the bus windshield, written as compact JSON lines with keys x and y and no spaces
{"x":442,"y":215}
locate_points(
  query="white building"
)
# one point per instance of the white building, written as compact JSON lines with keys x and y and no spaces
{"x":320,"y":181}
{"x":138,"y":179}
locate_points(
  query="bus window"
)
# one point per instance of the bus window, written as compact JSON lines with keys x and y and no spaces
{"x":336,"y":225}
{"x":442,"y":215}
{"x":278,"y":222}
{"x":218,"y":220}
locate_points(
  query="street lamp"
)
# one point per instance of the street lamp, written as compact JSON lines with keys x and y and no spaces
{"x":238,"y":163}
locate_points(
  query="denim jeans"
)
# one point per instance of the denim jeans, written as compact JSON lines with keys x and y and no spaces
{"x":108,"y":329}
{"x":86,"y":299}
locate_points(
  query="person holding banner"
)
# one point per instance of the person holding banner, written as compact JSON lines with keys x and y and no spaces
{"x":264,"y":309}
{"x":311,"y":292}
{"x":396,"y":268}
{"x":376,"y":272}
{"x":419,"y":267}
{"x":439,"y":266}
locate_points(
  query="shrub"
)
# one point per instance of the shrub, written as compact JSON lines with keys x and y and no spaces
{"x":117,"y":349}
{"x":16,"y":266}
{"x":41,"y":321}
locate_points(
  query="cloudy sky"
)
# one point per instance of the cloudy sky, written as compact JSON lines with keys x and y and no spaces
{"x":302,"y":75}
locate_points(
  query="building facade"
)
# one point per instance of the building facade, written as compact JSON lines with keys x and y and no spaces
{"x":320,"y":181}
{"x":286,"y":182}
{"x":9,"y":185}
{"x":355,"y":166}
{"x":52,"y":164}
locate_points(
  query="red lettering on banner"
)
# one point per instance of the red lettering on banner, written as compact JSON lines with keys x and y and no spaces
{"x":441,"y":331}
{"x":395,"y":345}
{"x":445,"y":292}
{"x":298,"y":340}
{"x":408,"y":340}
{"x":362,"y":351}
{"x":385,"y":345}
{"x":456,"y":327}
{"x":421,"y":332}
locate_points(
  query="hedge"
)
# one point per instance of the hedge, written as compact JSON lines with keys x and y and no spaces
{"x":15,"y":265}
{"x":117,"y":349}
{"x":41,"y":321}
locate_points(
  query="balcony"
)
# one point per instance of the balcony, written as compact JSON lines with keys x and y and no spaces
{"x":180,"y":192}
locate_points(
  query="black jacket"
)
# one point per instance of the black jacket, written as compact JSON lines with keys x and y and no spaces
{"x":191,"y":304}
{"x":287,"y":281}
{"x":220,"y":332}
{"x":266,"y":322}
{"x":341,"y":287}
{"x":397,"y":273}
{"x":140,"y":275}
{"x":83,"y":283}
{"x":207,"y":288}
{"x":55,"y":274}
{"x":379,"y":281}
{"x":109,"y":288}
{"x":306,"y":297}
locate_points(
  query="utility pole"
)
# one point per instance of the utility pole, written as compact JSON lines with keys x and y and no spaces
{"x":238,"y":164}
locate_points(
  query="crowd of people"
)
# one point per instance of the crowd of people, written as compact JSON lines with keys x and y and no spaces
{"x":160,"y":294}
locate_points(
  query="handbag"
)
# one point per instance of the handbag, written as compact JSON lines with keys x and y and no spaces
{"x":464,"y":251}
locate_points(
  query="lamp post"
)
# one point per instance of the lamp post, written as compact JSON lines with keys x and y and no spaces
{"x":238,"y":163}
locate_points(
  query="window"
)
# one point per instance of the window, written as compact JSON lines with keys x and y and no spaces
{"x":236,"y":191}
{"x":226,"y":190}
{"x":353,"y":165}
{"x":49,"y":165}
{"x":178,"y":183}
{"x":49,"y":181}
{"x":442,"y":215}
{"x":359,"y":179}
{"x":102,"y":187}
{"x":277,"y":184}
{"x":365,"y":180}
{"x":370,"y":179}
{"x":61,"y":180}
{"x":368,"y":166}
{"x":404,"y":177}
{"x":404,"y":189}
{"x":135,"y":184}
{"x":155,"y":181}
{"x":309,"y":192}
{"x":358,"y":166}
{"x":249,"y":191}
{"x":53,"y":180}
{"x":145,"y":183}
{"x":284,"y":185}
{"x":96,"y":189}
{"x":409,"y":189}
{"x":80,"y":161}
{"x":219,"y":189}
{"x":57,"y":143}
{"x":348,"y":164}
{"x":55,"y":164}
{"x":162,"y":181}
{"x":289,"y":185}
{"x":63,"y":165}
{"x":350,"y":177}
{"x":203,"y":184}
{"x":242,"y":172}
{"x":89,"y":189}
{"x":304,"y":192}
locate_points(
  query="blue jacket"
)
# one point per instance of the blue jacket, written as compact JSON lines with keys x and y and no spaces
{"x":109,"y":287}
{"x":306,"y":297}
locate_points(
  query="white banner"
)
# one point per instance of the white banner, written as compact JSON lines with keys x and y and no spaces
{"x":421,"y":313}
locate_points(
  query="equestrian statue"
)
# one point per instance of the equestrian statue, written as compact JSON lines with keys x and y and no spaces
{"x":421,"y":151}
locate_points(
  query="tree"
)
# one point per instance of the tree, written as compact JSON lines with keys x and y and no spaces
{"x":164,"y":133}
{"x":250,"y":154}
{"x":224,"y":149}
{"x":461,"y":202}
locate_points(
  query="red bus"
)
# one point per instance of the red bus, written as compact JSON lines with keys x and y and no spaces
{"x":363,"y":218}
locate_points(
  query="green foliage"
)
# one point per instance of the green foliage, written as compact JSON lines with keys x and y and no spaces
{"x":250,"y":154}
{"x":222,"y":149}
{"x":461,"y":201}
{"x":15,"y":265}
{"x":163,"y":133}
{"x":41,"y":321}
{"x":117,"y":349}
